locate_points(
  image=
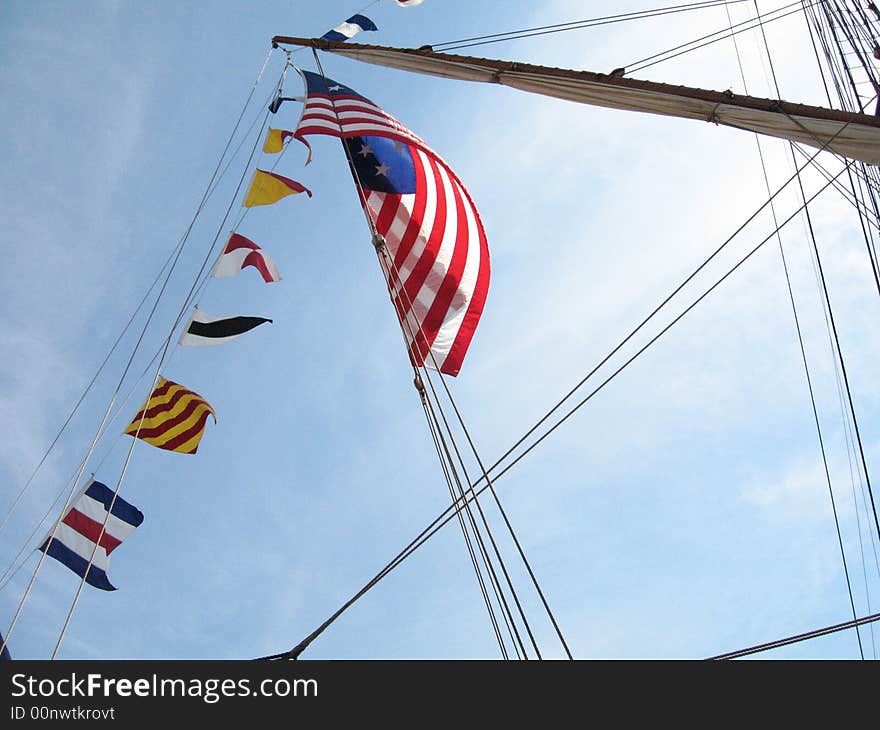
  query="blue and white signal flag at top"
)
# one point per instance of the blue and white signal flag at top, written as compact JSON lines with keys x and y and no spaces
{"x":349,"y":29}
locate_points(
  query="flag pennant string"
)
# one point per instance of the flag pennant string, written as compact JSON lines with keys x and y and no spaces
{"x":91,"y":522}
{"x":441,"y":264}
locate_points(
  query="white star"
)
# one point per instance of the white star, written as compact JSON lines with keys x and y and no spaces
{"x":383,"y":169}
{"x":365,"y":150}
{"x":336,"y":87}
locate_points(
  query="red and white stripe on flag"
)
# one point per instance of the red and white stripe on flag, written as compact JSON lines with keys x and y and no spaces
{"x":241,"y":252}
{"x":440,"y":276}
{"x":94,"y":526}
{"x":440,"y":261}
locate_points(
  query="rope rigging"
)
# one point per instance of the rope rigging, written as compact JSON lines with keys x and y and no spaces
{"x":434,"y":412}
{"x":847,"y":100}
{"x":461,"y":495}
{"x":11,"y":570}
{"x":854,"y":200}
{"x":815,"y":26}
{"x":716,"y":36}
{"x":472,"y":525}
{"x":806,"y":636}
{"x":445,"y":517}
{"x":578,"y":24}
{"x":848,"y":419}
{"x":464,"y":531}
{"x":474,"y":492}
{"x":393,"y":275}
{"x":800,"y":338}
{"x":824,"y":26}
{"x":488,"y":564}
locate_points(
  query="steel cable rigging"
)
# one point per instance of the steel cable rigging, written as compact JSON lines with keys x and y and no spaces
{"x":474,"y":491}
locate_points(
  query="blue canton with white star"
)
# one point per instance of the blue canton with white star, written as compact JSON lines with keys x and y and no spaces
{"x":382,"y":164}
{"x":317,"y":84}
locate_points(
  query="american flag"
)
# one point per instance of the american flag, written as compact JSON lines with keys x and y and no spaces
{"x":440,"y":271}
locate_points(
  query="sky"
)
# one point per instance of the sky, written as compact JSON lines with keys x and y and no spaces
{"x":683,"y":512}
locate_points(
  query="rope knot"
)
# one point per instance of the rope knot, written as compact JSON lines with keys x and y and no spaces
{"x":713,"y":115}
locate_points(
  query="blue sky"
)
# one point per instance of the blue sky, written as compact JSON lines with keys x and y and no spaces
{"x":682,"y":513}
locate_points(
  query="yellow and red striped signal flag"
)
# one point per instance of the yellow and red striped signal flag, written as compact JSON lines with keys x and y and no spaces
{"x":172,"y":418}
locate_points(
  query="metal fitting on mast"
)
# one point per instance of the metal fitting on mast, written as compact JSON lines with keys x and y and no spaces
{"x":420,"y":386}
